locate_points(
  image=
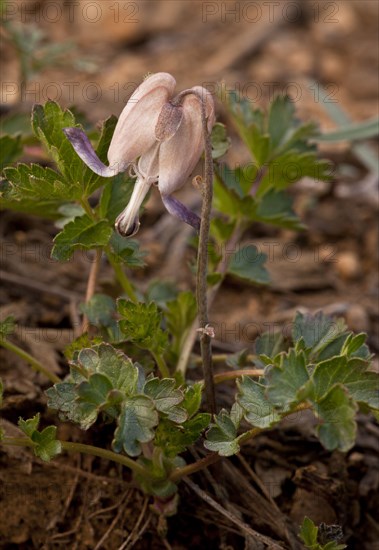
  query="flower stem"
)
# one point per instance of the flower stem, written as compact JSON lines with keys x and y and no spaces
{"x":35,"y":364}
{"x":202,"y":265}
{"x":87,"y":208}
{"x":223,"y":357}
{"x":162,"y":366}
{"x":231,"y":375}
{"x":222,"y":269}
{"x":91,"y":285}
{"x":122,"y":278}
{"x":82,"y":448}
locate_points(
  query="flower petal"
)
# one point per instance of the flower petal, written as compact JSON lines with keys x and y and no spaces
{"x":169,"y":120}
{"x":148,"y":164}
{"x":127,"y":223}
{"x":179,"y":155}
{"x":135,"y":129}
{"x":177,"y":209}
{"x":85,"y":151}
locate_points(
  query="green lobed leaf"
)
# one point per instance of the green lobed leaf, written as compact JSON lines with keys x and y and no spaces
{"x":192,"y":398}
{"x":248,"y":263}
{"x":68,"y":213}
{"x":316,"y":538}
{"x":180,"y":314}
{"x":308,"y":533}
{"x":161,"y":292}
{"x":10,"y":150}
{"x":115,"y":196}
{"x":258,"y":410}
{"x":114,"y":364}
{"x":351,"y":132}
{"x":29,"y":426}
{"x":83,"y":233}
{"x":220,"y":140}
{"x":135,"y":425}
{"x":47,"y":446}
{"x":279,"y":142}
{"x":286,"y":381}
{"x":62,"y":398}
{"x":36,"y":190}
{"x":92,"y":396}
{"x":100,"y":310}
{"x":337,"y":411}
{"x":237,"y":413}
{"x":317,"y":331}
{"x":166,"y":398}
{"x":7,"y":326}
{"x":259,"y":144}
{"x":226,"y":200}
{"x":141,"y":325}
{"x":156,"y":482}
{"x":16,"y":123}
{"x":221,"y":230}
{"x":270,"y":344}
{"x":174,"y":439}
{"x":354,"y":345}
{"x":280,"y":119}
{"x":126,"y":251}
{"x":48,"y":122}
{"x":222,"y":436}
{"x":100,"y":378}
{"x":232,"y":192}
{"x":238,"y":360}
{"x":290,"y":167}
{"x":275,"y":208}
{"x":362,"y":385}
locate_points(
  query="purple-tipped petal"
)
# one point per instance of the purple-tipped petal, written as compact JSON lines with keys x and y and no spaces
{"x":135,"y":130}
{"x":177,"y":209}
{"x":85,"y":151}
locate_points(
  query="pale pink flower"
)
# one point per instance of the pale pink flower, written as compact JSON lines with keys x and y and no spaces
{"x":158,"y":137}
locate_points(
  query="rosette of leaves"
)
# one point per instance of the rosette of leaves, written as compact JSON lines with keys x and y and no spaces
{"x":104,"y":381}
{"x":326,"y":369}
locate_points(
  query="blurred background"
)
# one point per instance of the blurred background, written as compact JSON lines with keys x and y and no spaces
{"x":94,"y":53}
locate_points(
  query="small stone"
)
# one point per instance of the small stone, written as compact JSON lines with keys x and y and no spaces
{"x":356,"y":458}
{"x":357,"y":318}
{"x":348,"y":265}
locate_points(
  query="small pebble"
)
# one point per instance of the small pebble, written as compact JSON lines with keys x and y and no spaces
{"x":357,"y":318}
{"x":348,"y":265}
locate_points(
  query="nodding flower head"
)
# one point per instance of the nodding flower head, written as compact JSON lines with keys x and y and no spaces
{"x":159,"y":138}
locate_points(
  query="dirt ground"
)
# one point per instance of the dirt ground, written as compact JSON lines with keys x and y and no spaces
{"x":257,"y":48}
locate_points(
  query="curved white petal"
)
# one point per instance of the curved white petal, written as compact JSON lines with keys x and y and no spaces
{"x":135,"y":129}
{"x":148,"y":165}
{"x":179,"y":155}
{"x":127,"y":223}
